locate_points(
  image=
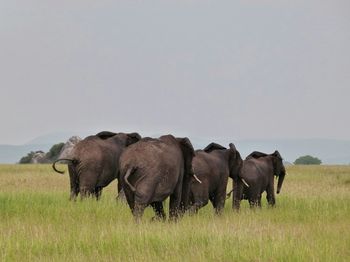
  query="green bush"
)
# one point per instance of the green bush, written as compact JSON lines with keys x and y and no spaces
{"x":54,"y":151}
{"x":26,"y":159}
{"x":50,"y":156}
{"x":307,"y":160}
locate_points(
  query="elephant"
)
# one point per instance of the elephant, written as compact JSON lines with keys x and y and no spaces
{"x":153,"y":169}
{"x":212,"y":166}
{"x":256,"y":176}
{"x":94,"y":162}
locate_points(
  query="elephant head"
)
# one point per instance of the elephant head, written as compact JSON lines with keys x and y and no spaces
{"x":279,"y":169}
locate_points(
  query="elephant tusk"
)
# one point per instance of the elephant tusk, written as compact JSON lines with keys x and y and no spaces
{"x":195,"y":177}
{"x":244,"y":182}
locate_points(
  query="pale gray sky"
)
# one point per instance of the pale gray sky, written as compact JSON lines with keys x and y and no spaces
{"x":239,"y":69}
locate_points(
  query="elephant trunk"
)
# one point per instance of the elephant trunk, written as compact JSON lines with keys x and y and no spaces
{"x":280,"y":181}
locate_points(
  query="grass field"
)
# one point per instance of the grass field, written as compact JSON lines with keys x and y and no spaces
{"x":311,"y":222}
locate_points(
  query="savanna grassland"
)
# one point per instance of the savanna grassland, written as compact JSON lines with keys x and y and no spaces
{"x":311,"y":222}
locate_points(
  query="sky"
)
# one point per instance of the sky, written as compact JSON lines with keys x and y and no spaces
{"x":253,"y":69}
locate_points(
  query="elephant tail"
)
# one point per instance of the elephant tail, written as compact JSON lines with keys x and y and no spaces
{"x":61,"y":159}
{"x":127,"y":174}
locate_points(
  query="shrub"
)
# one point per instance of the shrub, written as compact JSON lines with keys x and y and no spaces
{"x":26,"y":159}
{"x":307,"y":160}
{"x":54,"y":151}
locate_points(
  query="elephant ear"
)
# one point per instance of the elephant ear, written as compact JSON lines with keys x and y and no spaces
{"x":187,"y":151}
{"x":235,"y":162}
{"x":277,"y":163}
{"x":105,"y":134}
{"x":133,"y":138}
{"x":233,"y":150}
{"x":256,"y":154}
{"x":186,"y":146}
{"x":277,"y":154}
{"x":212,"y":147}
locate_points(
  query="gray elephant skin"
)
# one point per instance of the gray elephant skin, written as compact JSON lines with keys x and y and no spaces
{"x":153,"y":169}
{"x":94,"y":162}
{"x":212,"y":166}
{"x":257,"y":176}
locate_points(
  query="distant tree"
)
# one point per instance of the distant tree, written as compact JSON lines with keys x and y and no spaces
{"x":307,"y":160}
{"x":26,"y":159}
{"x":54,"y":151}
{"x":41,"y":157}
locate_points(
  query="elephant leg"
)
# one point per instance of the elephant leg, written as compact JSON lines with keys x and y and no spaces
{"x":84,"y":193}
{"x":130,"y":198}
{"x":175,"y":200}
{"x":121,"y":196}
{"x":253,"y":194}
{"x":254,"y":200}
{"x":74,"y":191}
{"x":270,"y":196}
{"x":74,"y":184}
{"x":73,"y":195}
{"x":159,"y":211}
{"x":259,"y":202}
{"x":219,"y":202}
{"x":237,"y":195}
{"x":138,"y":211}
{"x":200,"y":198}
{"x":220,"y":197}
{"x":98,"y":193}
{"x":199,"y":203}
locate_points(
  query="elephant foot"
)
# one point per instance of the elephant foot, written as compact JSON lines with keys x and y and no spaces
{"x":121,"y":197}
{"x":158,"y":219}
{"x":138,"y":212}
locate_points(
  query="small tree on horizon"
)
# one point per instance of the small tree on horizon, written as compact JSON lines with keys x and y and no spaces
{"x":26,"y":159}
{"x":307,"y":160}
{"x":54,"y":151}
{"x":50,"y":156}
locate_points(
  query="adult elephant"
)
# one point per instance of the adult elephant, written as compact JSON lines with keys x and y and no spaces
{"x":212,"y":166}
{"x":153,"y":169}
{"x":256,"y":176}
{"x":94,"y":162}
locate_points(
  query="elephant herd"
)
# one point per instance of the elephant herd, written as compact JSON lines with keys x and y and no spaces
{"x":149,"y":170}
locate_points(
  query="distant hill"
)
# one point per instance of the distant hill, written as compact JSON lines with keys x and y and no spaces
{"x":328,"y":150}
{"x":51,"y":139}
{"x":12,"y":154}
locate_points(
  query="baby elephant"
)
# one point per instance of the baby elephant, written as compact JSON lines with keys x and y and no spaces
{"x":212,"y":167}
{"x":256,"y":176}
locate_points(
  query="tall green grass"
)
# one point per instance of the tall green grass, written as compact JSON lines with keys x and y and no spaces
{"x":311,"y":222}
